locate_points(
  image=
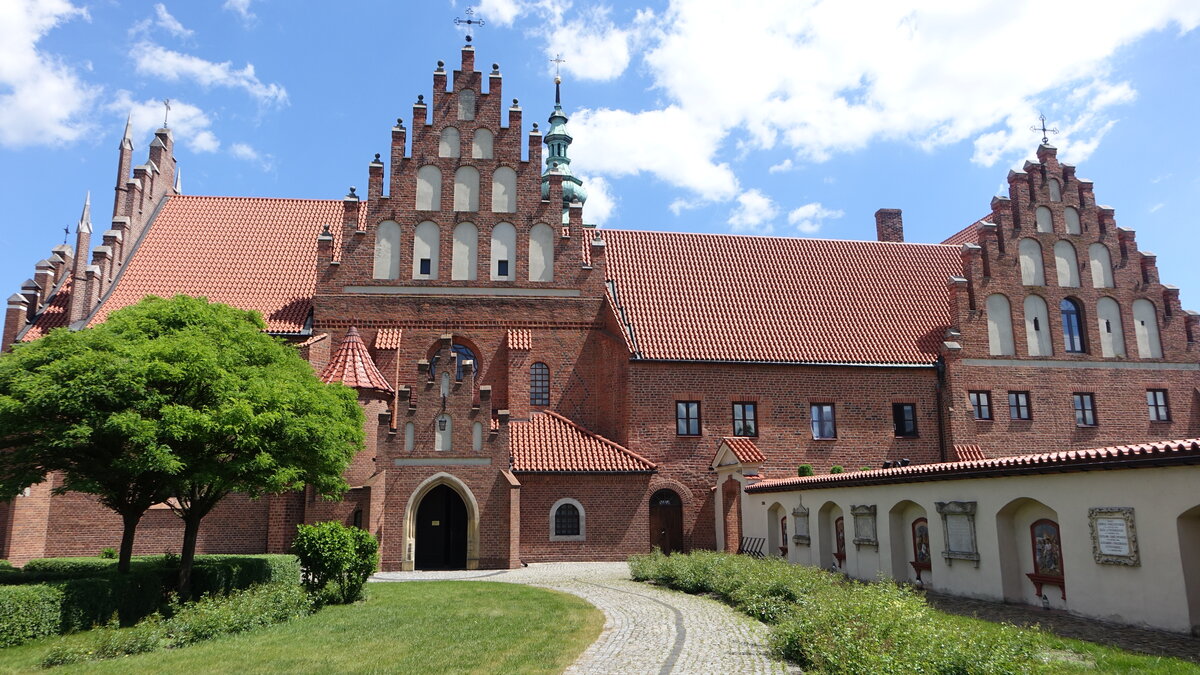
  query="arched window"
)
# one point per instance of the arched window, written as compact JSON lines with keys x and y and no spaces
{"x":410,"y":436}
{"x":462,"y":354}
{"x":1067,"y":264}
{"x":442,"y":433}
{"x":466,"y":252}
{"x":1072,"y":217}
{"x":1044,"y":222}
{"x":504,"y":249}
{"x":1055,"y":190}
{"x":999,"y":321}
{"x":481,"y":144}
{"x":429,"y":189}
{"x":539,"y":384}
{"x":541,"y":253}
{"x":1101,"y":261}
{"x":1145,"y":324}
{"x":466,"y":189}
{"x":504,"y":190}
{"x":425,"y":251}
{"x":1072,"y":325}
{"x":466,"y":104}
{"x":387,"y":250}
{"x":1112,"y":338}
{"x":450,"y":143}
{"x":1037,"y":326}
{"x":568,"y":520}
{"x":1033,"y":268}
{"x":477,"y":436}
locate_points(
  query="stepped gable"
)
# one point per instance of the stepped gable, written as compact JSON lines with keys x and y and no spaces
{"x":551,"y":443}
{"x":709,"y":297}
{"x":353,"y":366}
{"x":56,"y":314}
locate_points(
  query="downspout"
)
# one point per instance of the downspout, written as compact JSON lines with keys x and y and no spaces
{"x":940,"y":368}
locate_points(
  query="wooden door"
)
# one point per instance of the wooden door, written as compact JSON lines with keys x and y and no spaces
{"x":441,"y":530}
{"x":666,"y":521}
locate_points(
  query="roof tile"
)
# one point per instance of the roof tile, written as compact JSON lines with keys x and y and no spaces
{"x":388,"y":338}
{"x":551,"y":443}
{"x":352,"y":366}
{"x":520,"y":340}
{"x":744,"y":449}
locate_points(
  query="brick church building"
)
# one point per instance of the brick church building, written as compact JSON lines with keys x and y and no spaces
{"x":538,"y":389}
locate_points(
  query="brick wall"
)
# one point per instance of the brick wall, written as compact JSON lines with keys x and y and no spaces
{"x":616,"y":508}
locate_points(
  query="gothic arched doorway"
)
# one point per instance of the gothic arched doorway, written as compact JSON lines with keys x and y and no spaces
{"x":441,"y":530}
{"x":666,"y":521}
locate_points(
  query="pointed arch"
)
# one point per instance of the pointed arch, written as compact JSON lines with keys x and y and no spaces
{"x":1101,"y":263}
{"x":410,"y":517}
{"x":387,"y":250}
{"x":1145,"y":325}
{"x":1045,"y":222}
{"x":429,"y":188}
{"x":541,"y":253}
{"x":1072,"y":218}
{"x":504,"y":250}
{"x":466,"y":104}
{"x":504,"y":190}
{"x":425,"y":251}
{"x":466,"y":189}
{"x":450,"y":143}
{"x":999,"y":322}
{"x":1066,"y":263}
{"x":1112,"y":337}
{"x":1037,"y":326}
{"x":466,"y":252}
{"x":481,"y":144}
{"x":1033,"y":266}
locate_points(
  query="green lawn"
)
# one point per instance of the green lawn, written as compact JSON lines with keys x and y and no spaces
{"x":419,"y":627}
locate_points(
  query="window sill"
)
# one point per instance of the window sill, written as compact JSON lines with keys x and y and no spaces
{"x":1086,"y":426}
{"x":826,"y":439}
{"x":1161,"y":421}
{"x":989,"y":420}
{"x":907,"y":438}
{"x":568,"y":537}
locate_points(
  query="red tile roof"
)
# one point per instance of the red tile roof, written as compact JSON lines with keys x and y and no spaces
{"x":353,"y":366}
{"x":1185,"y":451}
{"x":968,"y":452}
{"x":519,"y":340}
{"x":55,"y":314}
{"x":967,"y":235}
{"x":388,"y":338}
{"x":744,"y":449}
{"x":713,"y":297}
{"x":551,"y":443}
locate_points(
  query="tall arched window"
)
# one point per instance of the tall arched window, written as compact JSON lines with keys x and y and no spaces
{"x":1072,"y":217}
{"x":1072,"y":325}
{"x":466,"y":189}
{"x":999,"y":321}
{"x":504,"y":251}
{"x":1037,"y":326}
{"x":568,"y":521}
{"x":504,"y":190}
{"x":466,"y":252}
{"x":539,"y":384}
{"x":1112,"y":338}
{"x":541,"y":253}
{"x":1145,"y":320}
{"x":425,"y":251}
{"x":481,"y":144}
{"x":429,"y":189}
{"x":450,"y":143}
{"x":477,"y":436}
{"x":466,"y":104}
{"x":443,"y":428}
{"x":387,"y":250}
{"x":1044,"y":222}
{"x":1101,"y":262}
{"x":1055,"y":190}
{"x":444,"y":387}
{"x":1033,"y":268}
{"x":1067,"y":264}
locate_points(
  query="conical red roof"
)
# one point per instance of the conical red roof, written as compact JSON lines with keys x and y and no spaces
{"x":353,"y":366}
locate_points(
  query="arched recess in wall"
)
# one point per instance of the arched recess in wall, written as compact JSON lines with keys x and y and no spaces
{"x":387,"y":250}
{"x":1145,"y":320}
{"x":1018,"y":547}
{"x":466,"y":104}
{"x":504,"y":190}
{"x":1033,"y":267}
{"x":443,"y":433}
{"x":777,"y":539}
{"x":1045,"y":223}
{"x":429,"y":188}
{"x":1071,"y":313}
{"x":481,"y":144}
{"x":450,"y":143}
{"x":541,"y":253}
{"x":466,"y":252}
{"x":1072,"y":218}
{"x":466,"y":189}
{"x":1066,"y":263}
{"x":1188,"y":527}
{"x":908,"y":526}
{"x":504,"y":250}
{"x":1055,"y":190}
{"x":999,"y":321}
{"x":1037,"y":326}
{"x":1101,"y":263}
{"x":477,"y":436}
{"x":425,"y":251}
{"x":1112,"y":337}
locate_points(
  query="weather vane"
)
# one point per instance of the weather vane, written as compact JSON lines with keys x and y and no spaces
{"x":470,"y":22}
{"x":66,"y":233}
{"x":1044,"y":130}
{"x":166,"y":111}
{"x":558,"y":60}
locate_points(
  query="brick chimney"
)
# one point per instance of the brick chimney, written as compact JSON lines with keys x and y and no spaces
{"x":889,"y":226}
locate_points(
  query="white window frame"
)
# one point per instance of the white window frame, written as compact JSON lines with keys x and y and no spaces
{"x":582,"y":536}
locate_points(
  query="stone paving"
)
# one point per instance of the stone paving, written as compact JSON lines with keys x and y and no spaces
{"x":646,"y":629}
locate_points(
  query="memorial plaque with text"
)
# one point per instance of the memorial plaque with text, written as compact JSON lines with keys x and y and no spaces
{"x":1114,"y":538}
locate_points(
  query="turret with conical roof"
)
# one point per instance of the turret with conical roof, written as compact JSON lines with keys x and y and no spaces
{"x":557,"y":162}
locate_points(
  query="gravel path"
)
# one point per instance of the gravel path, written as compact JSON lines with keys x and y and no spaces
{"x":646,"y":629}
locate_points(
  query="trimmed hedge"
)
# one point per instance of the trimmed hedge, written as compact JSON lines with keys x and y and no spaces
{"x":28,"y":612}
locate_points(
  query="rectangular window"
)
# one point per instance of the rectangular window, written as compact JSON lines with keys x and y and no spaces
{"x":904,"y":419}
{"x":426,"y":266}
{"x":502,"y":268}
{"x":981,"y":404}
{"x":1156,"y":401}
{"x":687,"y":418}
{"x":745,"y":419}
{"x":823,"y":425}
{"x":1018,"y":405}
{"x":1085,"y":410}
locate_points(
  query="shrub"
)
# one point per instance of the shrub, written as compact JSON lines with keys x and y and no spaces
{"x":221,"y":574}
{"x":65,"y":568}
{"x":864,"y":468}
{"x":28,"y":612}
{"x":804,"y":470}
{"x":836,"y":468}
{"x":109,"y":553}
{"x":335,"y":560}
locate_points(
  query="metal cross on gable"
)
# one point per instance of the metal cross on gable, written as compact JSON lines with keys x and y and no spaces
{"x":558,"y":60}
{"x":166,"y":111}
{"x":1044,"y":130}
{"x":470,"y":22}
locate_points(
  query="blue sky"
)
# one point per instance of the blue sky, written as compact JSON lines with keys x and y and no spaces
{"x":793,"y":118}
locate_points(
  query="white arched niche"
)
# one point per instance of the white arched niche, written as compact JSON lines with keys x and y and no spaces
{"x":466,"y":189}
{"x":504,"y":190}
{"x":466,"y":252}
{"x":999,"y":321}
{"x":466,"y":104}
{"x":481,"y":144}
{"x":1033,"y":268}
{"x":1145,"y":320}
{"x":1037,"y":326}
{"x":1055,"y":190}
{"x":504,"y":249}
{"x":477,"y":436}
{"x":1072,"y":218}
{"x":1066,"y":263}
{"x":1045,"y":223}
{"x":387,"y":250}
{"x":429,"y":188}
{"x":1112,"y":337}
{"x":425,"y":251}
{"x":443,"y":432}
{"x":1101,"y":263}
{"x":410,"y":436}
{"x":450,"y":143}
{"x":541,"y":253}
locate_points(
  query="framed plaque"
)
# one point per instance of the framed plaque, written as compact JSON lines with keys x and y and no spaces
{"x":864,"y":525}
{"x":800,"y":526}
{"x":1114,"y":537}
{"x":958,"y":522}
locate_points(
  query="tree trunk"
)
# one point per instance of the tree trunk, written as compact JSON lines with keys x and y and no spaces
{"x":191,"y":528}
{"x":129,"y":522}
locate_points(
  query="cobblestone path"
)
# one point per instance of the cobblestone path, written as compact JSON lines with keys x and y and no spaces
{"x":646,"y":629}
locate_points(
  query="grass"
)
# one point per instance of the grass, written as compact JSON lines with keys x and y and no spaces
{"x":442,"y":627}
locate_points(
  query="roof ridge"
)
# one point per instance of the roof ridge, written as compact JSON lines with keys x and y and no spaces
{"x":598,"y":437}
{"x":735,"y":235}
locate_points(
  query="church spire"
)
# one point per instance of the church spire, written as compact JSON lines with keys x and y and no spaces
{"x":557,"y":162}
{"x":85,"y":218}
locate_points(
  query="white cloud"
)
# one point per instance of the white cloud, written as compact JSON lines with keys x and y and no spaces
{"x":152,"y":59}
{"x":785,"y":165}
{"x":1156,"y":207}
{"x":753,"y":213}
{"x":189,"y":124}
{"x":245,"y":151}
{"x":601,"y":202}
{"x":241,"y":8}
{"x":164,"y":20}
{"x":810,"y":217}
{"x":500,"y":11}
{"x":42,"y":99}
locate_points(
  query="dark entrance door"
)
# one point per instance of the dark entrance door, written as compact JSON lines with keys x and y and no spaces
{"x":441,"y":530}
{"x":666,"y":521}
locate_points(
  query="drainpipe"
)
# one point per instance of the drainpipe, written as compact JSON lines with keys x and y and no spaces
{"x":940,"y":368}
